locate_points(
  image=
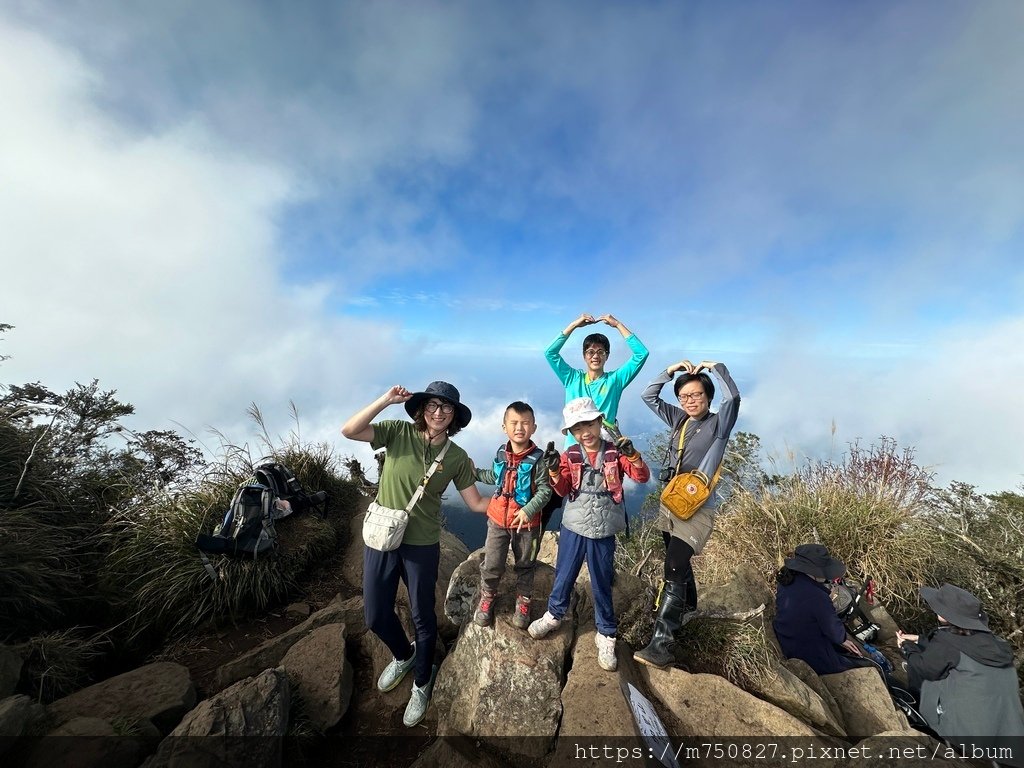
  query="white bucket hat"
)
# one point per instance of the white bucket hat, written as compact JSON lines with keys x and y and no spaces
{"x":579,"y":410}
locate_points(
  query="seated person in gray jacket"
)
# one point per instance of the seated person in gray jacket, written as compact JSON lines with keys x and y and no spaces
{"x":967,"y":681}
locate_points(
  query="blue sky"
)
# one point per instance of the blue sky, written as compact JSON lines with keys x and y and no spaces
{"x":209,"y":205}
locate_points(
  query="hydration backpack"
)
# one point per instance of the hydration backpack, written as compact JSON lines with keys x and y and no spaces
{"x":248,"y":527}
{"x":283,"y":483}
{"x":849,"y":604}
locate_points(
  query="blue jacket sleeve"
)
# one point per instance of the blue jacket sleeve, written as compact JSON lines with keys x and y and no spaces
{"x":553,"y":353}
{"x":625,"y":373}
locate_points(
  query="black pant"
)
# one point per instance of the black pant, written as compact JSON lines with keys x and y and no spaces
{"x":678,"y":569}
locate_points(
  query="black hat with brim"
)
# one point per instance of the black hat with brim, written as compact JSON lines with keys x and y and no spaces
{"x":443,"y":391}
{"x":814,"y":560}
{"x":957,"y":606}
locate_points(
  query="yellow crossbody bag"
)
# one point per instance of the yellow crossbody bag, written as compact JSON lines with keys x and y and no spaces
{"x":685,"y":493}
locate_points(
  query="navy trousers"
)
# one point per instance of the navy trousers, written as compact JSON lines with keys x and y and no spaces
{"x":416,"y":565}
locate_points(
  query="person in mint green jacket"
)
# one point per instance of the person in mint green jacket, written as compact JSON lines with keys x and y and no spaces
{"x":603,"y":387}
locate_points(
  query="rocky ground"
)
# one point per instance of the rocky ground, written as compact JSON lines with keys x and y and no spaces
{"x":297,"y":688}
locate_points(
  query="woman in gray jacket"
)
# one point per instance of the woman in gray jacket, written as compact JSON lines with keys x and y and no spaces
{"x":698,"y":440}
{"x":965,"y":673}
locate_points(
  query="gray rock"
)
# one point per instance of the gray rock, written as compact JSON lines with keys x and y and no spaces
{"x":472,"y":693}
{"x":88,"y":742}
{"x":810,"y":678}
{"x":865,"y":703}
{"x":269,"y":653}
{"x":710,"y":707}
{"x":298,"y":611}
{"x":244,"y":725}
{"x":907,"y":749}
{"x":457,"y":752}
{"x":787,"y":691}
{"x":742,"y":595}
{"x":463,"y":591}
{"x":320,"y":675}
{"x":592,"y":701}
{"x":17,"y":714}
{"x":161,"y":693}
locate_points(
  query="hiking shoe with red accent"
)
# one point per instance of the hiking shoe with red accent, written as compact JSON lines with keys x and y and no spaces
{"x":521,"y":618}
{"x":485,"y":610}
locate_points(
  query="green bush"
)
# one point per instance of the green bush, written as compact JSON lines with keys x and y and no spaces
{"x":153,"y":572}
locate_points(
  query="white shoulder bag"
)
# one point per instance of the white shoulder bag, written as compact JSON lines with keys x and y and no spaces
{"x":383,"y":527}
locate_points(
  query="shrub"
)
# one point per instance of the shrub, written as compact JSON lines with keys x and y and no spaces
{"x":868,"y":509}
{"x":58,"y":663}
{"x":156,"y":579}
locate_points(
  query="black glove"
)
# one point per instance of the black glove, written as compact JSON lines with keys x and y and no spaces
{"x":552,"y":457}
{"x":626,"y":447}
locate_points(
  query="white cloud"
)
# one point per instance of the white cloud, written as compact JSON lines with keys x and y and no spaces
{"x":954,"y":401}
{"x":149,"y":260}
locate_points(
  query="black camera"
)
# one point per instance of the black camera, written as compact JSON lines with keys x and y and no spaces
{"x":666,"y":474}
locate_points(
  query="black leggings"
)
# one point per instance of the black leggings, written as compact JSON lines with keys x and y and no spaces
{"x":678,"y":569}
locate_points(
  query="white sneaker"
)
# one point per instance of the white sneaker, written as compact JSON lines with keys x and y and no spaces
{"x":606,"y":652}
{"x":417,"y":706}
{"x":542,"y":626}
{"x":395,"y":671}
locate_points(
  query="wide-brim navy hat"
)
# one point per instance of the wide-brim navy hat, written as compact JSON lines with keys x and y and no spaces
{"x":814,"y":560}
{"x":443,"y":391}
{"x":957,"y":606}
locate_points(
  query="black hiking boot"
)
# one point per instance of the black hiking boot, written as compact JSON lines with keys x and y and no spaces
{"x":673,"y":612}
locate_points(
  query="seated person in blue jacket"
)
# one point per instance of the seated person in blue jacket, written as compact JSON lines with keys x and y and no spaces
{"x":965,"y":674}
{"x":805,"y":621}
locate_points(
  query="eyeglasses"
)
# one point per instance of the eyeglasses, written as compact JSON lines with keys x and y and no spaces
{"x":595,"y":353}
{"x":434,"y":405}
{"x":687,"y":397}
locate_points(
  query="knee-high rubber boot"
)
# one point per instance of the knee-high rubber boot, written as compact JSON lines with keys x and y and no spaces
{"x":671,"y":610}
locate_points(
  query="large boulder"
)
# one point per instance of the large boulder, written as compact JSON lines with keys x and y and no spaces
{"x":710,"y":707}
{"x":592,"y":700}
{"x":161,"y":693}
{"x":810,"y":678}
{"x":457,"y":752}
{"x":270,"y":652}
{"x":17,"y":714}
{"x":244,"y":725}
{"x":320,"y":675}
{"x":463,"y":592}
{"x":787,"y":691}
{"x":472,"y":693}
{"x":907,"y":749}
{"x":89,"y":742}
{"x":743,"y":594}
{"x":548,"y":552}
{"x":594,"y":708}
{"x":865,"y":702}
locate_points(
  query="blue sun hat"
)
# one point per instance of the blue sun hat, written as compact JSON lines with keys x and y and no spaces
{"x":443,"y":391}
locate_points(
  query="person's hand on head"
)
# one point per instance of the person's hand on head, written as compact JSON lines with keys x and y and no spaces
{"x":585,"y":319}
{"x":683,"y":365}
{"x":397,"y":394}
{"x":705,"y":365}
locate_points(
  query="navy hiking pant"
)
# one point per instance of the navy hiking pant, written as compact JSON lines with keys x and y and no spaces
{"x":417,"y":566}
{"x":573,"y":549}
